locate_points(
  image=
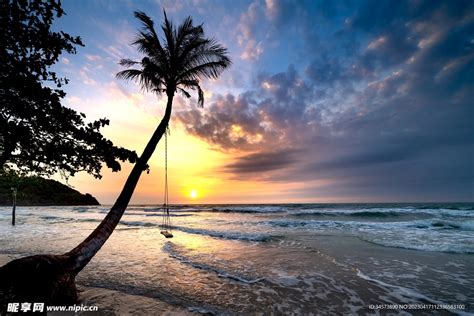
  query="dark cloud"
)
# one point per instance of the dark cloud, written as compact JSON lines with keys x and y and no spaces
{"x":327,"y":70}
{"x":382,"y":111}
{"x":259,"y":164}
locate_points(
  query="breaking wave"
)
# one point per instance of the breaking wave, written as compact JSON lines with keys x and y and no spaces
{"x":226,"y":234}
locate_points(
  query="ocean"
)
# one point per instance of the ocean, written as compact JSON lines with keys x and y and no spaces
{"x":271,"y":259}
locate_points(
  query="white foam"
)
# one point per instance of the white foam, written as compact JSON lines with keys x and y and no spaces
{"x":406,"y":295}
{"x":225,"y":234}
{"x":424,"y":235}
{"x":175,"y":254}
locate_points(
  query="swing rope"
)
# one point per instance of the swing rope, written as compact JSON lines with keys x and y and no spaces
{"x":166,"y":222}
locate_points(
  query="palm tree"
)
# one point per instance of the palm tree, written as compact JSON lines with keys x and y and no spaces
{"x":175,"y":65}
{"x":172,"y":64}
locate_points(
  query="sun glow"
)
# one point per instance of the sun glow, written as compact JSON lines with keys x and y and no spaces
{"x":193,"y":194}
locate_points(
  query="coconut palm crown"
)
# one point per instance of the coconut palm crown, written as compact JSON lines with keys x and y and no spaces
{"x":176,"y":62}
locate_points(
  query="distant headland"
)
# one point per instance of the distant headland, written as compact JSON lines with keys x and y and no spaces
{"x":37,"y":191}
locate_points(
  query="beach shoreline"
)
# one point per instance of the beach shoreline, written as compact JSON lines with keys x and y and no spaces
{"x":114,"y":302}
{"x":250,"y":259}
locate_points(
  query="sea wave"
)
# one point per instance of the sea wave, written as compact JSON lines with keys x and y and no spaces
{"x":423,"y":235}
{"x":96,"y":220}
{"x":446,"y":247}
{"x":226,"y":234}
{"x":444,"y":224}
{"x":386,"y":212}
{"x":56,"y":219}
{"x":248,"y":210}
{"x":90,"y":209}
{"x":251,"y":209}
{"x":359,"y":213}
{"x":174,"y":253}
{"x":139,"y":223}
{"x":431,"y":224}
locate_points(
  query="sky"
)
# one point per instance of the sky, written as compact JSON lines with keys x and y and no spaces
{"x":326,"y":101}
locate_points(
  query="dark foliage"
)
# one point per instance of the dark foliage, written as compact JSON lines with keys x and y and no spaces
{"x":37,"y":134}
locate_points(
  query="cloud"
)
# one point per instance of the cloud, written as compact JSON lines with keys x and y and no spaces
{"x":93,"y":57}
{"x":252,"y":50}
{"x":261,"y":163}
{"x":73,"y":100}
{"x":170,"y":5}
{"x":113,"y":52}
{"x":280,"y":11}
{"x":248,"y":121}
{"x":247,"y":29}
{"x":389,"y":115}
{"x":84,"y":74}
{"x":228,"y":123}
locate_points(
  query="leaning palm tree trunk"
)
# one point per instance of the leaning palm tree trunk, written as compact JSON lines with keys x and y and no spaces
{"x":85,"y":251}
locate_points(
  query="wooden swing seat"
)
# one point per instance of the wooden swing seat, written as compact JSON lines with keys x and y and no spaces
{"x":167,"y":234}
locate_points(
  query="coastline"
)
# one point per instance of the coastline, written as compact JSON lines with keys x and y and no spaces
{"x":255,"y":259}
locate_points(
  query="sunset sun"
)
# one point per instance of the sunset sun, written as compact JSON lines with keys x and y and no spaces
{"x":193,"y":194}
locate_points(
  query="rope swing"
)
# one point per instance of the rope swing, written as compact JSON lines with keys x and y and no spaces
{"x":166,"y":222}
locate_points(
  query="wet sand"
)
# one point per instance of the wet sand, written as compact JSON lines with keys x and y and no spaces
{"x":112,"y":302}
{"x":118,"y":303}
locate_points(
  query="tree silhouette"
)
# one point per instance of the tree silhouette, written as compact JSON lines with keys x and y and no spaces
{"x":37,"y":134}
{"x":171,"y":66}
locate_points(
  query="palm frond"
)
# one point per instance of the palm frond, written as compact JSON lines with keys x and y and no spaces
{"x":194,"y":84}
{"x":151,"y":67}
{"x":147,"y":81}
{"x":207,"y":52}
{"x":147,"y":40}
{"x":187,"y":33}
{"x":200,"y":96}
{"x":168,"y":30}
{"x":207,"y":58}
{"x":145,"y":19}
{"x":210,"y":70}
{"x":147,"y":45}
{"x":128,"y":62}
{"x":184,"y":92}
{"x":129,"y":74}
{"x":178,"y":60}
{"x":148,"y":26}
{"x":193,"y":45}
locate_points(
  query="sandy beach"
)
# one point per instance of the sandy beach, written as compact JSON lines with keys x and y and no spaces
{"x":112,"y":302}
